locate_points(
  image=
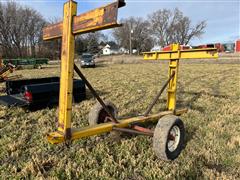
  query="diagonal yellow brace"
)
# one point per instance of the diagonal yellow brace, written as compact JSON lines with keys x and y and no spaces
{"x":67,"y":61}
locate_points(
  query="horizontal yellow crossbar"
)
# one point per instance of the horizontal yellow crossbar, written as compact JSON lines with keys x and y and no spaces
{"x":98,"y":19}
{"x":58,"y":137}
{"x":206,"y":53}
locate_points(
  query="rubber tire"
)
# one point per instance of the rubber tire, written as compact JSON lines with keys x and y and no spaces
{"x":96,"y":111}
{"x":160,"y":137}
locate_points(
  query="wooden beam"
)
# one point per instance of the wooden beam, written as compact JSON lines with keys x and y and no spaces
{"x":98,"y":19}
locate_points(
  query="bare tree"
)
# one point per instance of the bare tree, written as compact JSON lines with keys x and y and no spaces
{"x":88,"y":42}
{"x":50,"y":49}
{"x":20,"y":30}
{"x":173,"y":27}
{"x":140,"y":37}
{"x":93,"y":41}
{"x":34,"y":29}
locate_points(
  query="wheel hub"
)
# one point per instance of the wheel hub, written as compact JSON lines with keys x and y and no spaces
{"x":173,"y":138}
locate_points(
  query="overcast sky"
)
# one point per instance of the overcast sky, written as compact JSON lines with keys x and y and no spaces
{"x":223,"y":17}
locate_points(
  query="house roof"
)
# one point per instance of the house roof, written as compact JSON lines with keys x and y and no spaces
{"x":107,"y":46}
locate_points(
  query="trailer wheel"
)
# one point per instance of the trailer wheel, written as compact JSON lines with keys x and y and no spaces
{"x":168,"y":138}
{"x":98,"y":115}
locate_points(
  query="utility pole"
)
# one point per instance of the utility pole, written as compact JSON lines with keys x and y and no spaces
{"x":130,"y":42}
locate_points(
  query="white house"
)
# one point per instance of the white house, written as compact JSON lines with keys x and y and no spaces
{"x":134,"y":51}
{"x":106,"y":50}
{"x":122,"y":50}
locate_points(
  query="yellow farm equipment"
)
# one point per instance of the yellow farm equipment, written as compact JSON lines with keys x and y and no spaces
{"x":5,"y":70}
{"x":168,"y":136}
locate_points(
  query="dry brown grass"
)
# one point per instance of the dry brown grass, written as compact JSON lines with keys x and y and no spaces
{"x":209,"y":89}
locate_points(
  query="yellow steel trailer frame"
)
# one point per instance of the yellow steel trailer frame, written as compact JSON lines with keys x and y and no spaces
{"x":98,"y":19}
{"x":174,"y":56}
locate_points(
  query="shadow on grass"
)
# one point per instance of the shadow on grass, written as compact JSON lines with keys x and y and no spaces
{"x":52,"y":66}
{"x":97,"y":65}
{"x":189,"y":135}
{"x":101,"y":65}
{"x":195,"y":96}
{"x":89,"y":95}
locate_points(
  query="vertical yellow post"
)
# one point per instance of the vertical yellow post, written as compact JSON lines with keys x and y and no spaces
{"x":172,"y":87}
{"x":67,"y":62}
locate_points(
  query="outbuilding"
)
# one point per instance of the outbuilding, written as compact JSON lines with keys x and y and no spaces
{"x":106,"y":50}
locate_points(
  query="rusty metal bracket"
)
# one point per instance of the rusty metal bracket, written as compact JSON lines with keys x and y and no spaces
{"x":131,"y":131}
{"x":142,"y":129}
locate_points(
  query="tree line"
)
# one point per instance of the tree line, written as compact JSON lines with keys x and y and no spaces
{"x":20,"y":30}
{"x":161,"y":28}
{"x":21,"y":33}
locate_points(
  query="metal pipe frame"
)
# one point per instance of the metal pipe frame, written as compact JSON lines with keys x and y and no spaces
{"x":66,"y":79}
{"x":205,"y":53}
{"x":77,"y":133}
{"x":132,"y":131}
{"x":65,"y":132}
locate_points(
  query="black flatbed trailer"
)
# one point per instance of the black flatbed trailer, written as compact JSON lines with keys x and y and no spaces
{"x":38,"y":93}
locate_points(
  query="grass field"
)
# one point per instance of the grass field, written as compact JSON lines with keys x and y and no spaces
{"x":210,"y":89}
